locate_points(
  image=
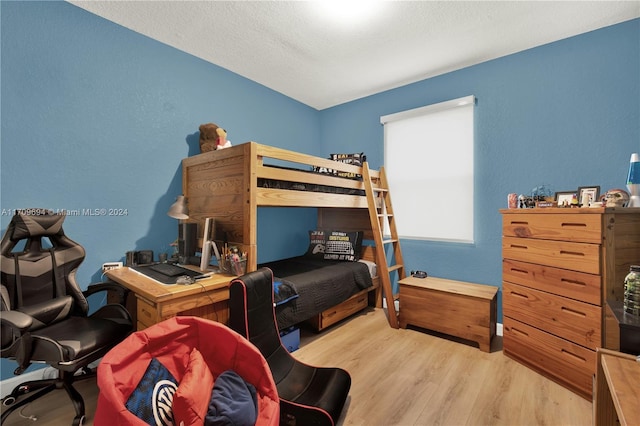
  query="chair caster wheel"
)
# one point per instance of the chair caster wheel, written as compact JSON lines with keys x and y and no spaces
{"x":78,"y":420}
{"x":8,"y":401}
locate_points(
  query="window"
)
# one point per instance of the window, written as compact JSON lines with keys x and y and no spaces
{"x":429,"y":165}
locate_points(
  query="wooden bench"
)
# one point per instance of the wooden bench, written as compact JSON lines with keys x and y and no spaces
{"x":456,"y":308}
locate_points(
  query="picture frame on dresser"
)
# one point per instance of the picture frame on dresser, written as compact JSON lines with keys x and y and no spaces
{"x":564,"y":197}
{"x":587,"y":194}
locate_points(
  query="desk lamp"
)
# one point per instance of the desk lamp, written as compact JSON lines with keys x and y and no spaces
{"x":179,"y":210}
{"x":633,"y":180}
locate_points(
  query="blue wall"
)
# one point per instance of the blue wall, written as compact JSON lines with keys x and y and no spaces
{"x":565,"y":114}
{"x":97,"y":116}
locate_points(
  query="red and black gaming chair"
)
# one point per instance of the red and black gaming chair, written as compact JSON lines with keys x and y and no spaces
{"x":308,"y":395}
{"x":44,"y":313}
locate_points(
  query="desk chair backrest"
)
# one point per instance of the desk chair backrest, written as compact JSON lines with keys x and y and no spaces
{"x":42,"y":270}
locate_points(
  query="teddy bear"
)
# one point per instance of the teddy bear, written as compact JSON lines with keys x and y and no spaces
{"x":213,"y":137}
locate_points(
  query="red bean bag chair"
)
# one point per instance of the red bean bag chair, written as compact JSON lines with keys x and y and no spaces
{"x":170,"y":372}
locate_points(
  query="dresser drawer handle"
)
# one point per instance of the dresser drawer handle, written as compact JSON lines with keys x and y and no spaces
{"x":524,"y":296}
{"x":581,"y":225}
{"x":520,"y":271}
{"x":516,"y":331}
{"x":517,"y":246}
{"x":519,"y":222}
{"x":573,"y":312}
{"x":571,"y":253}
{"x":579,"y":358}
{"x":573,"y":282}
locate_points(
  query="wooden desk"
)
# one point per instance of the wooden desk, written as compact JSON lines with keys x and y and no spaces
{"x":155,"y":302}
{"x":617,"y":394}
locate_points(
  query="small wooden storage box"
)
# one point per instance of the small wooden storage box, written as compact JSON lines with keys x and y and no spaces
{"x":456,"y":308}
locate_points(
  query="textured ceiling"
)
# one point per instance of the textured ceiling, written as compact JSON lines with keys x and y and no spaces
{"x":293,"y":48}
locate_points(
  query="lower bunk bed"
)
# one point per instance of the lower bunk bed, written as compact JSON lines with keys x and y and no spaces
{"x":321,"y":292}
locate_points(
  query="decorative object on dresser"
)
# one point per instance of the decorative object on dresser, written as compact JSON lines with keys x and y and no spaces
{"x":563,"y":198}
{"x":633,"y":180}
{"x":616,"y":198}
{"x":587,"y":195}
{"x":559,"y":268}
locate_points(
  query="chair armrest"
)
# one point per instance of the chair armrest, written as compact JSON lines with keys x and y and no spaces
{"x":18,"y":321}
{"x":22,"y":342}
{"x":121,"y":291}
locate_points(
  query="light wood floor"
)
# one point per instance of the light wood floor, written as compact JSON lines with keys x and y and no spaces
{"x":404,"y":377}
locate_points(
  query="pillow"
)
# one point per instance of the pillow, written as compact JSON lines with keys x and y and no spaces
{"x":356,"y":159}
{"x":316,"y":245}
{"x":233,"y":401}
{"x":335,"y":245}
{"x":343,"y":246}
{"x":151,"y":400}
{"x":192,"y":397}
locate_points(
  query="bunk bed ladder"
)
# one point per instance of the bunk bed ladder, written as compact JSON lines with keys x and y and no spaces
{"x":381,"y":214}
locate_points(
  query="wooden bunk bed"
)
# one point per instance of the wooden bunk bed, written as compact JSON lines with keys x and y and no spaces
{"x":231,"y":184}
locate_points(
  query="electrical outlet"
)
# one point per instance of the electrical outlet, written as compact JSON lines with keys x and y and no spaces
{"x":111,"y":265}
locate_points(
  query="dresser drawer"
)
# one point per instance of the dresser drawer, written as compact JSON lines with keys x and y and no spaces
{"x":575,"y":285}
{"x":147,"y":313}
{"x":586,"y":228}
{"x":579,"y":257}
{"x":564,"y":362}
{"x":572,"y":320}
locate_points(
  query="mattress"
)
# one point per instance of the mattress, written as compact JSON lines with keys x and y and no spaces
{"x":319,"y":285}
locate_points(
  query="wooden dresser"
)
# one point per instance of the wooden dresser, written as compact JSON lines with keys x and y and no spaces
{"x":559,"y":267}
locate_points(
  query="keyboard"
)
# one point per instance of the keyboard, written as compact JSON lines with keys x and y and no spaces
{"x":168,"y":269}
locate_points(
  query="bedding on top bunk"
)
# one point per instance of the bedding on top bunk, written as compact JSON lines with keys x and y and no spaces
{"x":319,"y":285}
{"x":355,"y":159}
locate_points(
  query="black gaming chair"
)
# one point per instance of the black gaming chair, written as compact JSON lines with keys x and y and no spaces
{"x":44,"y":313}
{"x":308,"y":395}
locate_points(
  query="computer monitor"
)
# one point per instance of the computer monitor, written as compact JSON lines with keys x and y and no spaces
{"x":209,"y":247}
